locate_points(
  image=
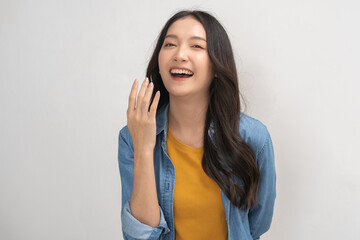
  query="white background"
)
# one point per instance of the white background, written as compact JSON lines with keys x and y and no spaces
{"x":66,"y":68}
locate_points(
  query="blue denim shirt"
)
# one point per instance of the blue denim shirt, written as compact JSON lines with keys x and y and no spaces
{"x":244,"y":225}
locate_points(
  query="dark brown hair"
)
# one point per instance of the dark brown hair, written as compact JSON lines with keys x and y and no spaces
{"x":228,"y":159}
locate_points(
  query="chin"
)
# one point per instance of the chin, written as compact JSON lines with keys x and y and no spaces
{"x":178,"y":93}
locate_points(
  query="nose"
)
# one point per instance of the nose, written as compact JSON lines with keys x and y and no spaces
{"x":181,"y":55}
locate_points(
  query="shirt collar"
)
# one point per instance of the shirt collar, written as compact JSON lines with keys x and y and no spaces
{"x":162,"y":118}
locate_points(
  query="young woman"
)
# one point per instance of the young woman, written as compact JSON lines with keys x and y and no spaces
{"x":192,"y":165}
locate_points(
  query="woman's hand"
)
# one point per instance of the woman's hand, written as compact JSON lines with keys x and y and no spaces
{"x":141,"y":122}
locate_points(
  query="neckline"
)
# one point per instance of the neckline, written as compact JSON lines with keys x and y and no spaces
{"x":183,"y":146}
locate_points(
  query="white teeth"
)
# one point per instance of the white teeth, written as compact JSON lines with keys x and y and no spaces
{"x":181,"y":71}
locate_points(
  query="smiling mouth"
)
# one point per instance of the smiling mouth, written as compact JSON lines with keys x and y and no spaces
{"x":181,"y":73}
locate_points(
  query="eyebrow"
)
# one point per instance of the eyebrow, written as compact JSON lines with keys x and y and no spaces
{"x":192,"y":38}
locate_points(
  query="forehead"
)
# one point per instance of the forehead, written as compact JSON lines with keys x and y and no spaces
{"x":187,"y":26}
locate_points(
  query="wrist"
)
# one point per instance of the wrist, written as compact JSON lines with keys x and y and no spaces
{"x":144,"y":153}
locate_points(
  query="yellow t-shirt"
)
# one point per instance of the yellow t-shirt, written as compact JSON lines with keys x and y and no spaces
{"x":198,"y":209}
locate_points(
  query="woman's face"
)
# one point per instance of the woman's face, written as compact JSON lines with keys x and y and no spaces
{"x":185,"y":66}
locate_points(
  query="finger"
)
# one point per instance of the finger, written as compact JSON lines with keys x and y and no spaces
{"x":132,"y":96}
{"x":141,"y":94}
{"x":155,"y":103}
{"x":146,"y":99}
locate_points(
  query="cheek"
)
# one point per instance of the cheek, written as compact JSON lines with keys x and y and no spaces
{"x":206,"y":64}
{"x":163,"y":58}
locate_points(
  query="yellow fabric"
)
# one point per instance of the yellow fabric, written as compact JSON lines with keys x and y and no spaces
{"x":198,"y":209}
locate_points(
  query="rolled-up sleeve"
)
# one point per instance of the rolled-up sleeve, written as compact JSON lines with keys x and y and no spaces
{"x":131,"y":227}
{"x":260,"y":217}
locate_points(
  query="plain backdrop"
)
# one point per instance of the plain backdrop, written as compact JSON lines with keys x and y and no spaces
{"x":66,"y":68}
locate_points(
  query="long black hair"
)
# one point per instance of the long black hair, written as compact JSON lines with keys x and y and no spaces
{"x":228,"y":159}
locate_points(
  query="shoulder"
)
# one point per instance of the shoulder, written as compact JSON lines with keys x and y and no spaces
{"x":124,"y":133}
{"x":125,"y":141}
{"x":253,"y":132}
{"x":125,"y":148}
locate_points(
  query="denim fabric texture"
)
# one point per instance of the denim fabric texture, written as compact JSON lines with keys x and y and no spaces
{"x":242,"y":225}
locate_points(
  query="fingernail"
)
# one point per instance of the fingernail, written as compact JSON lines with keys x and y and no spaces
{"x":135,"y":81}
{"x":146,"y":80}
{"x":151,"y":84}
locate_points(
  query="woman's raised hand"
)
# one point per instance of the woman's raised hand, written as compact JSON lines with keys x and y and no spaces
{"x":140,"y":121}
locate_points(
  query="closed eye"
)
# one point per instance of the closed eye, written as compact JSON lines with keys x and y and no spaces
{"x":168,"y":45}
{"x":198,"y":46}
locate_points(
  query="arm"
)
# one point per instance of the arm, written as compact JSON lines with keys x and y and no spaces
{"x":141,"y":215}
{"x":144,"y":203}
{"x":260,"y":217}
{"x":133,"y":228}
